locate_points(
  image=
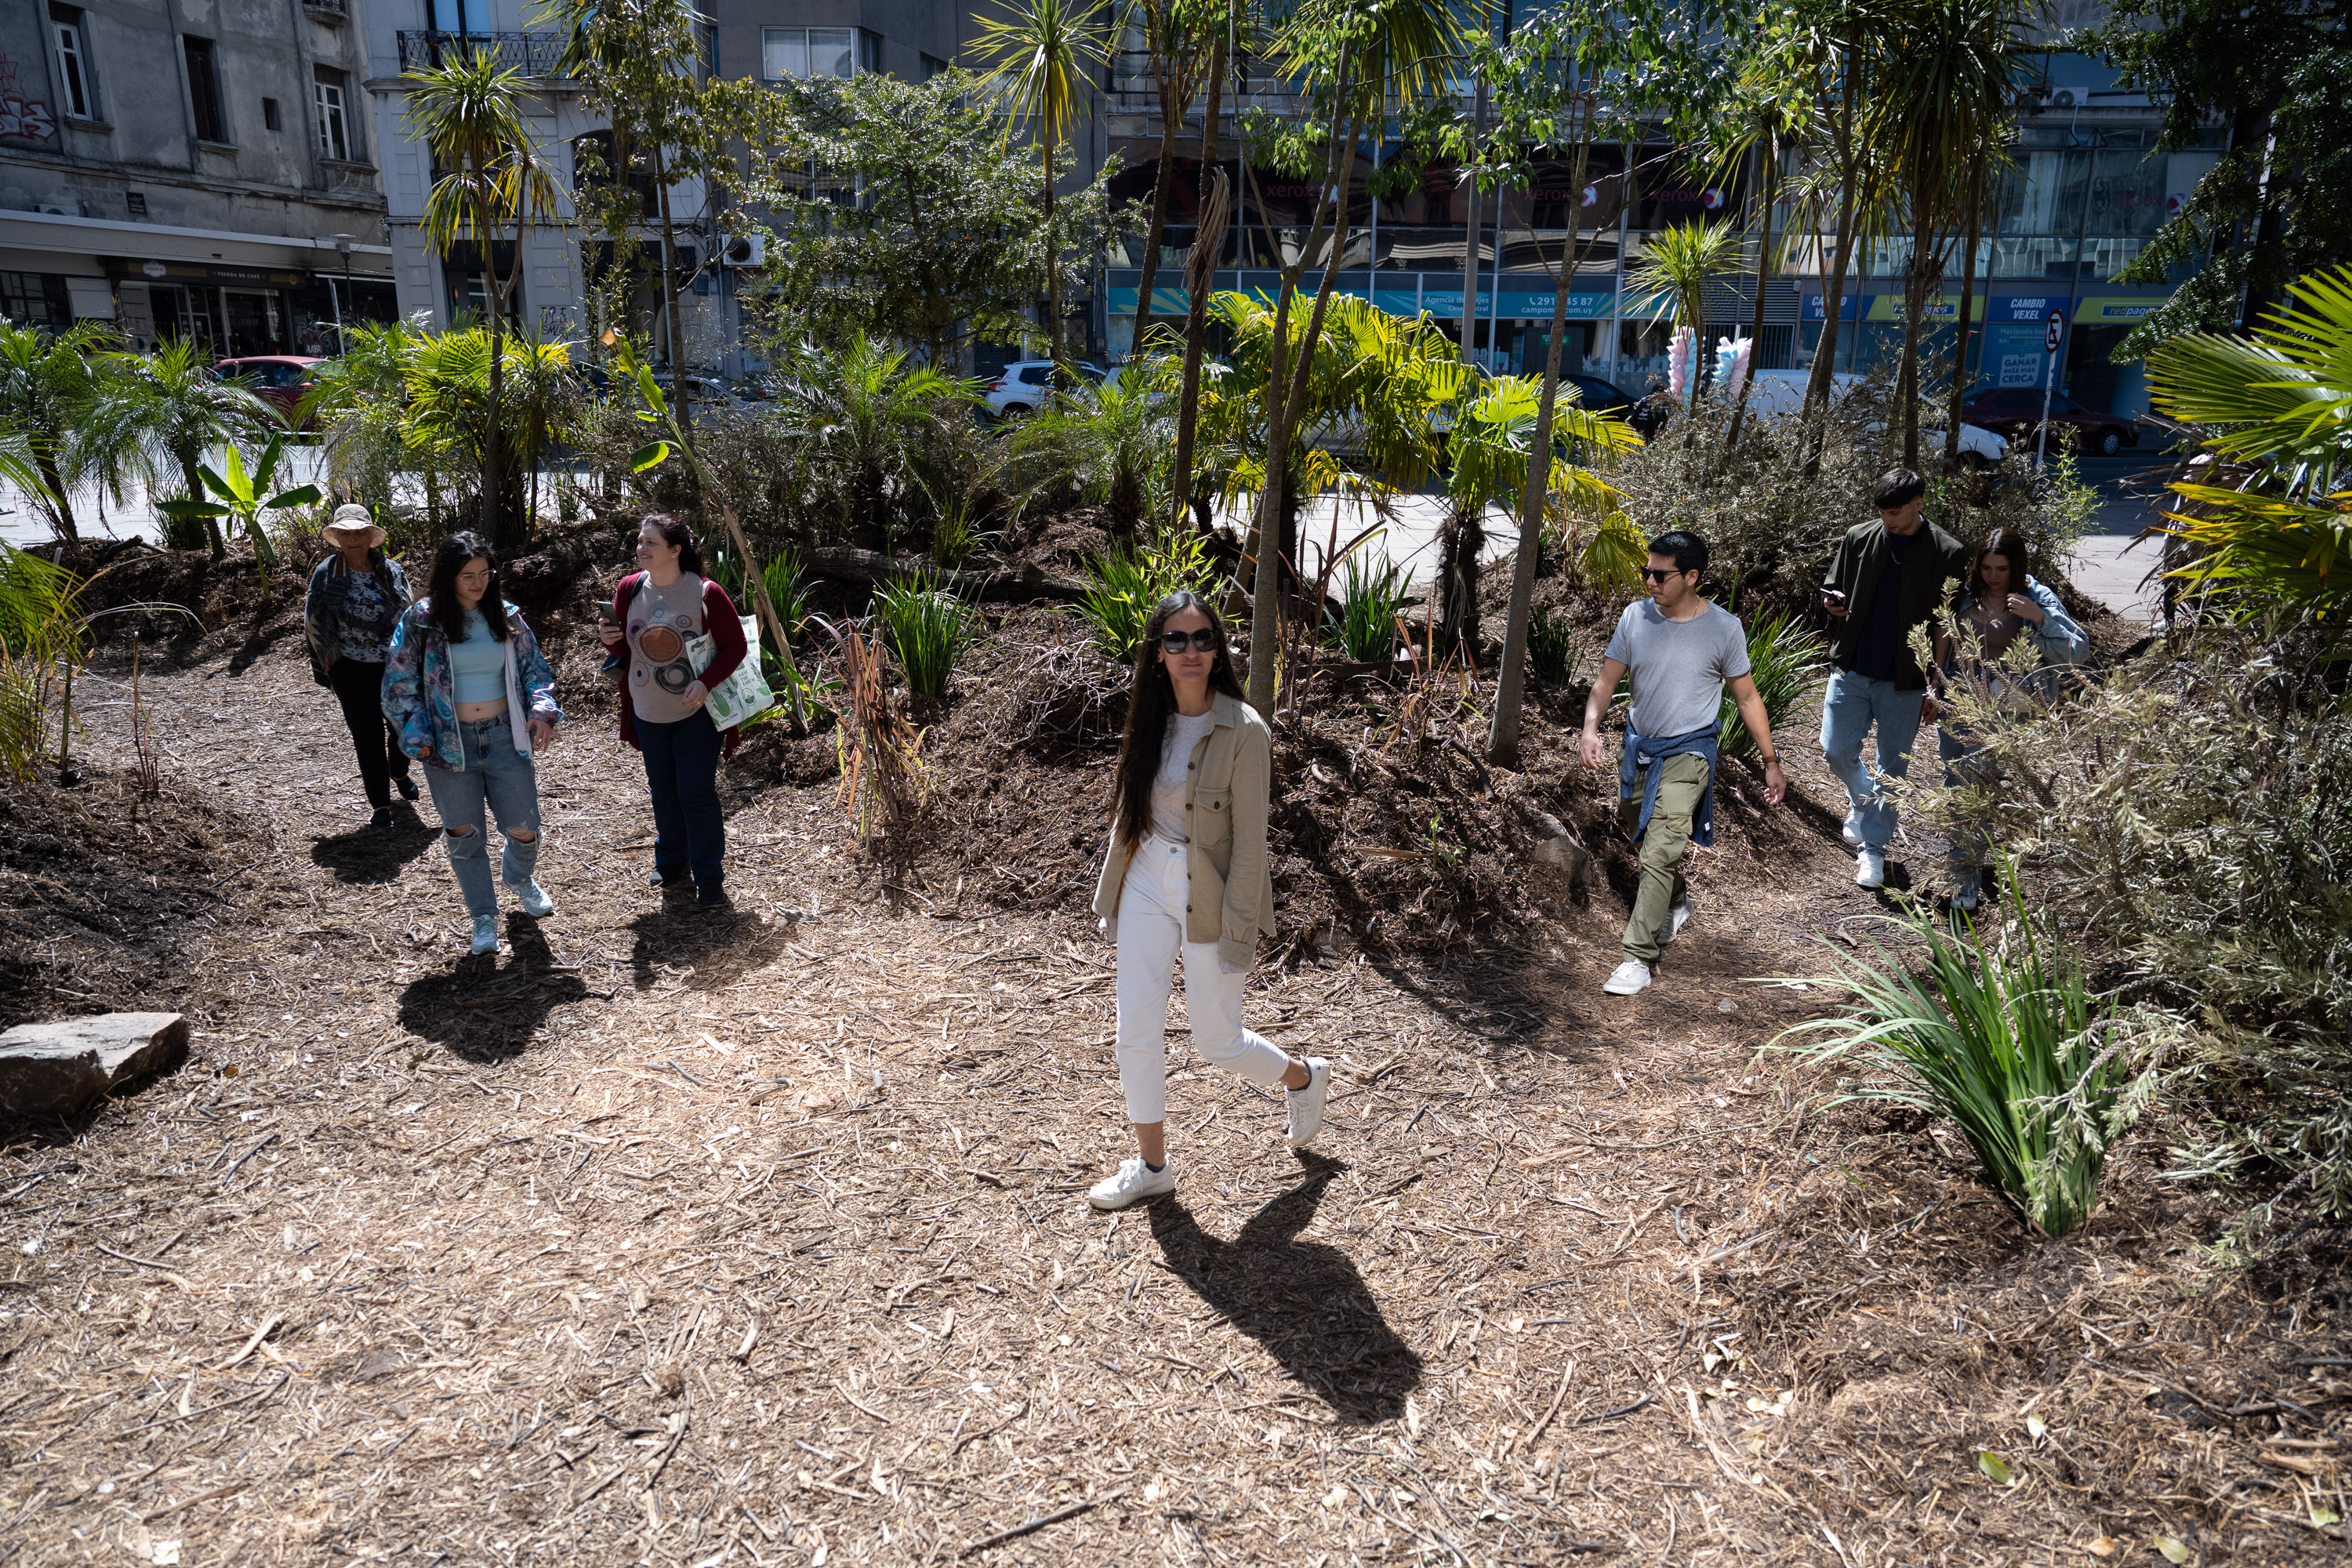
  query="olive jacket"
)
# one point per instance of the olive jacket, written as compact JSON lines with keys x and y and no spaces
{"x":1226,"y":790}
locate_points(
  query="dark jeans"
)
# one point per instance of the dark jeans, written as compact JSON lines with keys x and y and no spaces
{"x":682,"y":772}
{"x":359,"y":687}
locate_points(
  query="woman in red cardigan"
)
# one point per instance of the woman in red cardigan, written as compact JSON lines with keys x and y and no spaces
{"x":657,"y":613}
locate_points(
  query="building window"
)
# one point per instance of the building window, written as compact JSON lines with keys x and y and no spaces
{"x":270,"y":117}
{"x":335,"y":126}
{"x":203,"y":91}
{"x":933,"y":66}
{"x":36,"y":300}
{"x":788,"y":54}
{"x":74,"y":83}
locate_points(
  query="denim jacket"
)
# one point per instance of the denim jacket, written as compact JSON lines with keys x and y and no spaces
{"x":2058,"y":640}
{"x":420,"y":693}
{"x":327,"y":627}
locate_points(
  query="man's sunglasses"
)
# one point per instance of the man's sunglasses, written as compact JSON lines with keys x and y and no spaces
{"x":1203,"y":641}
{"x":1657,"y":575}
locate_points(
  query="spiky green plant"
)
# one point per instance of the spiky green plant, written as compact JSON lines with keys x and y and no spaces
{"x":926,"y":628}
{"x":1787,"y":661}
{"x":1996,"y":1033}
{"x":1551,"y":647}
{"x":1372,"y":596}
{"x":1127,"y":582}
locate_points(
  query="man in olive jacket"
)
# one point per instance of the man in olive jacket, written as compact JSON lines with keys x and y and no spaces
{"x":1887,"y":577}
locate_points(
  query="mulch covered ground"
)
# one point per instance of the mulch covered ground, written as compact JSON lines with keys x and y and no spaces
{"x":759,"y":1237}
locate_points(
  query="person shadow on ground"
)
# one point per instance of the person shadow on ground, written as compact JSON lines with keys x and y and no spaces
{"x":374,"y":854}
{"x":486,"y":1013}
{"x":1303,"y":1300}
{"x":714,"y":947}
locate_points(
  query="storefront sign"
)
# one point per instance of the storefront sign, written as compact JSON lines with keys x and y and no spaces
{"x":194,"y":272}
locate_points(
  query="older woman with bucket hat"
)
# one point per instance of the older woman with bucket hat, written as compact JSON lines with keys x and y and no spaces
{"x":355,"y":598}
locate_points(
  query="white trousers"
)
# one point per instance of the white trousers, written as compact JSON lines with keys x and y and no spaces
{"x":1150,"y":930}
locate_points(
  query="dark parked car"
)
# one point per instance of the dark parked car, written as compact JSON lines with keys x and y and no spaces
{"x":1603,"y":397}
{"x":2016,"y":412}
{"x":279,"y":380}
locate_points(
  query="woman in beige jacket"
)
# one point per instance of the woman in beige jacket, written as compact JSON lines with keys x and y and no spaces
{"x":1187,"y":871}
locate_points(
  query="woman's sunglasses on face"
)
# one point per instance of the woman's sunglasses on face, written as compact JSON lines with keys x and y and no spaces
{"x":1203,"y":641}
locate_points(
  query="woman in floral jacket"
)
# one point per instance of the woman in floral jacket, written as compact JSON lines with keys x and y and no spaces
{"x":474,"y":701}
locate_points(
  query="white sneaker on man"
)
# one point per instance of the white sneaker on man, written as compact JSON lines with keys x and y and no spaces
{"x":1870,"y":868}
{"x":534,"y":900}
{"x":1306,"y":1104}
{"x":1135,"y":1183}
{"x":485,"y":936}
{"x":1677,"y":918}
{"x":1851,"y":832}
{"x":1628,"y":979}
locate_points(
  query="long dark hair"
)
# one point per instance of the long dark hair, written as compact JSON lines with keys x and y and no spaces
{"x":1154,"y":700}
{"x":2010,"y":545}
{"x":441,"y":592}
{"x":675,"y":532}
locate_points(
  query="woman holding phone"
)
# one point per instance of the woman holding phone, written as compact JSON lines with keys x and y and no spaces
{"x":1186,"y":872}
{"x":657,"y":612}
{"x":472,"y":699}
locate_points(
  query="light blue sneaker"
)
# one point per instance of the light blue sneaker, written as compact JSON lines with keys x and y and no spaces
{"x":486,"y":935}
{"x":534,"y":900}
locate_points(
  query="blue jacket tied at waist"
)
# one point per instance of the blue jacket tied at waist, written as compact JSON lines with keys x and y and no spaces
{"x":1648,"y":752}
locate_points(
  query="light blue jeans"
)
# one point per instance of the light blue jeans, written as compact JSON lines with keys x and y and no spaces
{"x":496,"y":780}
{"x":1855,"y":705}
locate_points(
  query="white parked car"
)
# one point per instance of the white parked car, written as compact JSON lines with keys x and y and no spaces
{"x":1025,"y":386}
{"x":1780,"y":394}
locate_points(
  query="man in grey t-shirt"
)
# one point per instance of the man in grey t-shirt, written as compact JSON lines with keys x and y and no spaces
{"x":1681,"y":651}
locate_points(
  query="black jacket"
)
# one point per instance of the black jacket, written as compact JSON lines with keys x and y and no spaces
{"x":1858,"y":569}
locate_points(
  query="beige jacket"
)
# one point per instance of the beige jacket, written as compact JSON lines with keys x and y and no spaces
{"x":1225,"y":792}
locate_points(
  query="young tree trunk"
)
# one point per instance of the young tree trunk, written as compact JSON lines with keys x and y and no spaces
{"x":676,"y":334}
{"x":1763,"y":280}
{"x":57,"y":503}
{"x":1470,"y":233}
{"x":1818,"y":384}
{"x":1968,"y":310}
{"x":1915,"y":311}
{"x":1196,"y":309}
{"x":1172,"y":117}
{"x":1053,"y":263}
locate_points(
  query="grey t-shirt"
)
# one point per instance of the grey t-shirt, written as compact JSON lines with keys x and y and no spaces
{"x":1679,"y":667}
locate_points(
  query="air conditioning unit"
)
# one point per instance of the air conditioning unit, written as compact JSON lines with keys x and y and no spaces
{"x":743,"y":250}
{"x":2064,"y":97}
{"x":55,"y":211}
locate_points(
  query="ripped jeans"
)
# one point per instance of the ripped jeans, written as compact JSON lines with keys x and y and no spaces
{"x":495,"y":780}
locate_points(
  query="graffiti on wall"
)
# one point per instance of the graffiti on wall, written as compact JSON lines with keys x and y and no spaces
{"x":21,"y":115}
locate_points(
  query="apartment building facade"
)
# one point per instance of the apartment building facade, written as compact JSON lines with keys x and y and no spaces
{"x":189,"y":168}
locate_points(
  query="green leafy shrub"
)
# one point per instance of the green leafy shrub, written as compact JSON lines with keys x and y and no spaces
{"x":1998,"y":1035}
{"x":1551,"y":647}
{"x":926,"y":628}
{"x":1366,"y":624}
{"x":1787,"y":661}
{"x":1125,"y":583}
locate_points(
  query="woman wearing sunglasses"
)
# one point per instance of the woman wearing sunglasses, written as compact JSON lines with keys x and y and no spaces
{"x":1187,"y":872}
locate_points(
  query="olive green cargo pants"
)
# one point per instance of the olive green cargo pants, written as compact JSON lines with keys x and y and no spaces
{"x":1682,"y":784}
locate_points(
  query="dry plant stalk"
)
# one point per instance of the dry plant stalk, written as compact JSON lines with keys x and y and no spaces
{"x":1437,"y":690}
{"x":883,"y":776}
{"x":148,"y":761}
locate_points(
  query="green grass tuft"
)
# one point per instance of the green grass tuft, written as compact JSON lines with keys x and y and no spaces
{"x":926,"y":628}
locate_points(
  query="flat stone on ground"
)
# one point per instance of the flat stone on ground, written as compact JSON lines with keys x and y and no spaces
{"x":55,"y":1069}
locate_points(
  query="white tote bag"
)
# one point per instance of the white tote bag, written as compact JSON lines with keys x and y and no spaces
{"x":744,"y":695}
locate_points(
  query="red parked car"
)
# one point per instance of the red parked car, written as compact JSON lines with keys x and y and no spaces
{"x":279,"y":380}
{"x":2016,"y":412}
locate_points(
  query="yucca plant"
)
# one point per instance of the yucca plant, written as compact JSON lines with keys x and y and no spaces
{"x":39,"y":626}
{"x":1127,"y":581}
{"x":1373,"y":594}
{"x":1551,"y":647}
{"x":926,"y":628}
{"x":1995,"y":1034}
{"x":1786,"y":660}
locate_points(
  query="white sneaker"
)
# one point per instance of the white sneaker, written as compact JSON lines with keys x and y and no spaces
{"x":1306,"y":1104}
{"x":486,"y":935}
{"x":1135,"y":1183}
{"x":1628,"y":979}
{"x":1966,"y":899}
{"x":1870,"y":869}
{"x":1851,"y":832}
{"x":534,"y":900}
{"x":1677,"y":918}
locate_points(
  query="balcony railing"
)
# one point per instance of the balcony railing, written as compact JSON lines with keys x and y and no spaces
{"x":533,"y":54}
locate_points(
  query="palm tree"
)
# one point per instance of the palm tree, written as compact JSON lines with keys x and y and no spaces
{"x":358,"y":402}
{"x":1109,"y":442}
{"x":46,"y":382}
{"x":1771,"y":111}
{"x":1678,"y":269}
{"x":466,"y":390}
{"x":164,"y":411}
{"x":867,"y":420}
{"x":1172,"y":40}
{"x":469,"y":114}
{"x":1043,"y":63}
{"x":1942,"y":106}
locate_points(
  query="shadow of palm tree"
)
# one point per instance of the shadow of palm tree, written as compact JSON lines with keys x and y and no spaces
{"x":487,"y":1014}
{"x":1303,"y":1300}
{"x":374,"y":854}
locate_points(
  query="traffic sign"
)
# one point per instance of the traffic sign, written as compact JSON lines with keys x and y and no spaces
{"x":2055,"y":332}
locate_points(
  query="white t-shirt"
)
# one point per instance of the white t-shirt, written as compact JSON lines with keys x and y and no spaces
{"x":1168,"y":784}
